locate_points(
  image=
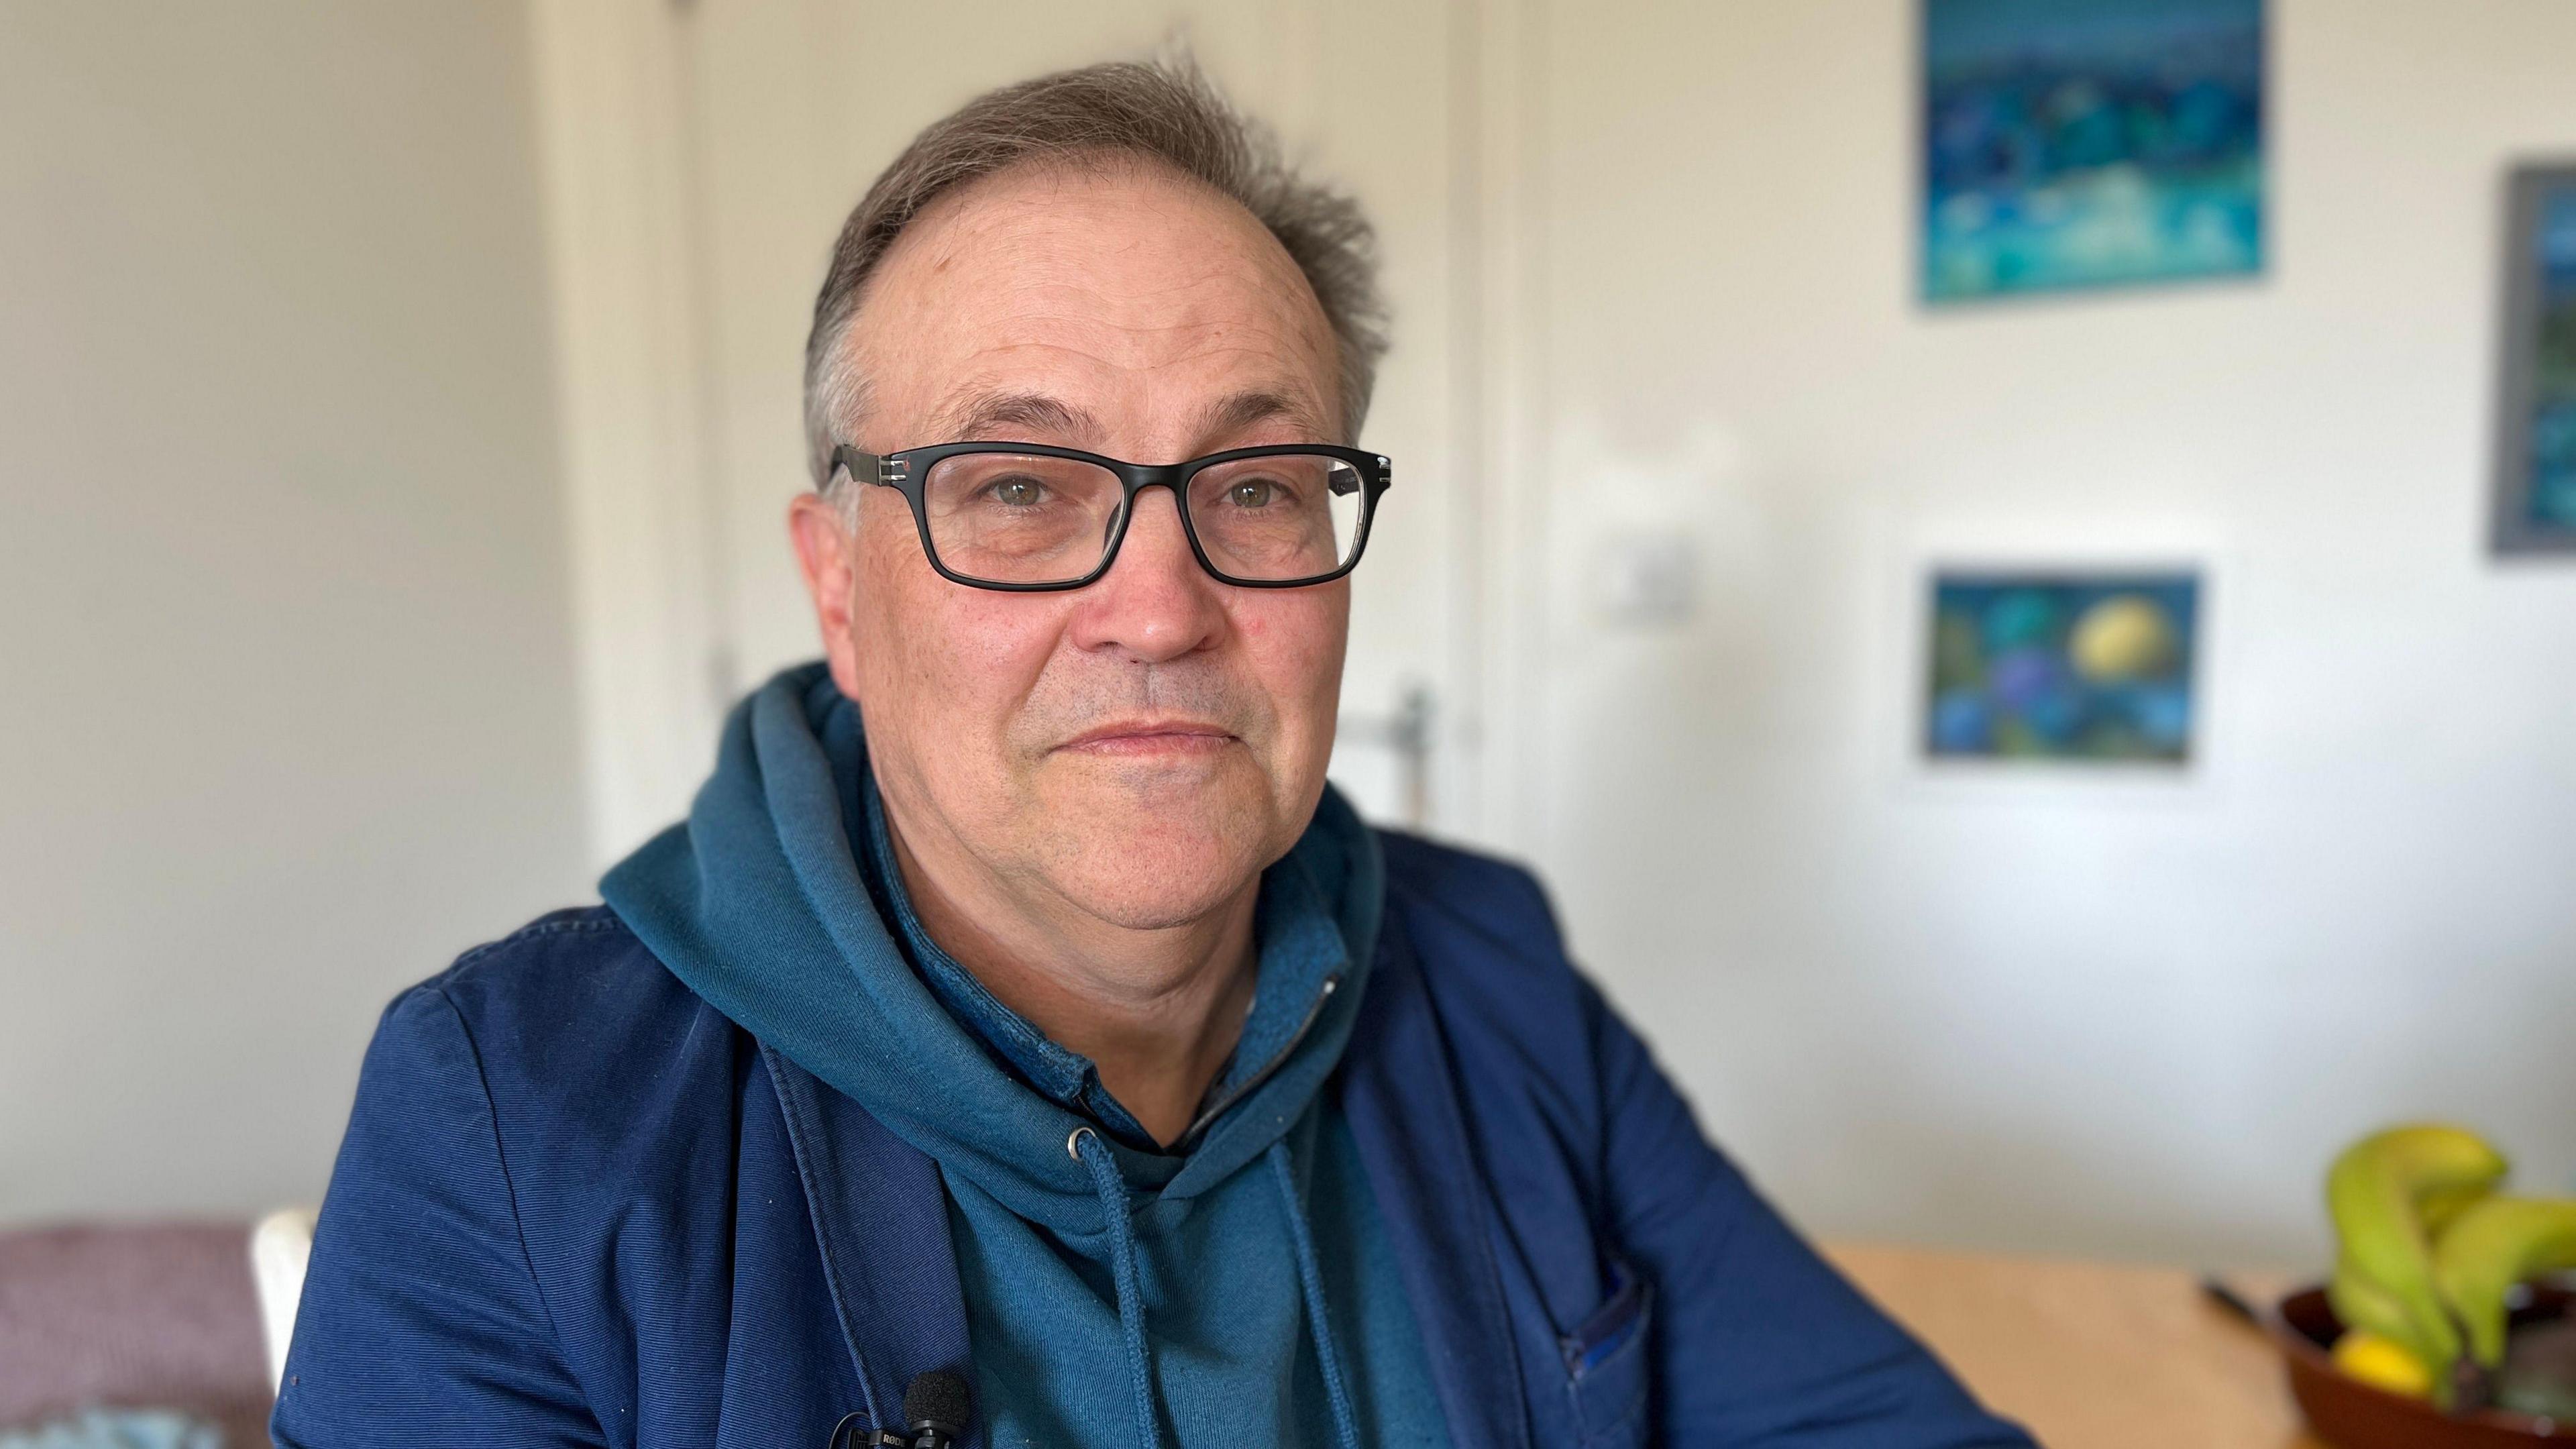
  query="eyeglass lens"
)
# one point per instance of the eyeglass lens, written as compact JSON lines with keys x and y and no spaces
{"x":1016,"y":518}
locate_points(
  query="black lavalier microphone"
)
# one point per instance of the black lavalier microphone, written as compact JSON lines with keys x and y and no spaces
{"x":937,"y":1406}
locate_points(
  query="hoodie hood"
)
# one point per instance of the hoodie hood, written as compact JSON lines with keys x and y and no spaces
{"x":757,"y":903}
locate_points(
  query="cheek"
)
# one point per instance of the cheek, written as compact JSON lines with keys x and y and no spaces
{"x":1295,"y":639}
{"x":949,"y":663}
{"x":993,"y":648}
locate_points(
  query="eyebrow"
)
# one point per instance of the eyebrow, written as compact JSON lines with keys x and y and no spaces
{"x":1234,"y":414}
{"x":982,"y":417}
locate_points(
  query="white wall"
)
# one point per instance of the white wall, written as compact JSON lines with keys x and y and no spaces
{"x":285,"y":711}
{"x":2055,"y":1015}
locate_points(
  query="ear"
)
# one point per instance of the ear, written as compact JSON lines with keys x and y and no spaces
{"x":827,"y":553}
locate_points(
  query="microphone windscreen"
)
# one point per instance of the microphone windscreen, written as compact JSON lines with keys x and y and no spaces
{"x":938,"y":1397}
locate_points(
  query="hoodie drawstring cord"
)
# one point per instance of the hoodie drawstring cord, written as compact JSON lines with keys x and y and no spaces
{"x":1310,"y":1277}
{"x":1116,"y":1209}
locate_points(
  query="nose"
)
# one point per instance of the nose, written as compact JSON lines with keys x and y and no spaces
{"x":1155,"y":604}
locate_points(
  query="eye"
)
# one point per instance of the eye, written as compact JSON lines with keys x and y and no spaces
{"x":1252,"y":493}
{"x":1016,"y":491}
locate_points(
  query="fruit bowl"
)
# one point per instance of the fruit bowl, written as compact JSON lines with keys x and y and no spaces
{"x":2350,"y":1414}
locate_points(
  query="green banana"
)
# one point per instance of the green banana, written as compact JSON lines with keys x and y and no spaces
{"x":2492,"y":1246}
{"x":2378,"y":1191}
{"x":2441,"y":1206}
{"x":2360,"y":1303}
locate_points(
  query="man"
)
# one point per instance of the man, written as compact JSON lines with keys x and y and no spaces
{"x":1017,"y":1000}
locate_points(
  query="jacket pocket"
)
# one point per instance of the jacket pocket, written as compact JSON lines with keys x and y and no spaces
{"x":1607,"y":1366}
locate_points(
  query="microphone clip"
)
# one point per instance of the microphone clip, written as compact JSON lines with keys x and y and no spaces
{"x":937,"y":1403}
{"x":851,"y":1433}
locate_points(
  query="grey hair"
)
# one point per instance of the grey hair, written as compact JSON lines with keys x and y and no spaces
{"x":1165,"y":112}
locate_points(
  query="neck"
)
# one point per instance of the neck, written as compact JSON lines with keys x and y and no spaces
{"x":1156,"y":1010}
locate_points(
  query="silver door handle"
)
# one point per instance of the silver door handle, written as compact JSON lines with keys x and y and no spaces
{"x":1409,"y":733}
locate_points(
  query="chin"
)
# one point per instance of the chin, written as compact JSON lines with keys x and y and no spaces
{"x":1148,"y":864}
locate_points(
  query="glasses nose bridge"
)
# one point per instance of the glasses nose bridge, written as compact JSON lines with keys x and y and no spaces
{"x":1173,"y":477}
{"x":1138,"y":478}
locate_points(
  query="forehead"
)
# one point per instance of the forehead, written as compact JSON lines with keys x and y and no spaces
{"x":1129,"y":294}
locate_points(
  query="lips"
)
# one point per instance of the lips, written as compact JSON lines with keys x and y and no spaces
{"x":1151,"y":737}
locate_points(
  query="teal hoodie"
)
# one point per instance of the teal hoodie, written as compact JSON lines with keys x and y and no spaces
{"x":1235,"y":1291}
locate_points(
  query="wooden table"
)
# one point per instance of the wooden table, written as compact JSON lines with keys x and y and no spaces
{"x":2091,"y":1356}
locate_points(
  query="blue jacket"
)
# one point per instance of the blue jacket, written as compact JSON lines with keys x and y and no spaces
{"x":578,"y":1206}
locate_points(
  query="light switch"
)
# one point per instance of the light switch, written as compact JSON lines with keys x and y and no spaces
{"x":1647,"y":580}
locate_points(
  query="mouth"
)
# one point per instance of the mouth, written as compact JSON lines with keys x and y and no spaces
{"x":1149,"y":739}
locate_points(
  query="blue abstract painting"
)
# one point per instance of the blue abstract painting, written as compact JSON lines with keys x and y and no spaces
{"x":2549,"y":431}
{"x":2083,"y":667}
{"x":2085,"y":143}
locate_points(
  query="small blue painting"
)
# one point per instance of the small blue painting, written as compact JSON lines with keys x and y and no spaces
{"x":2071,"y":666}
{"x":2087,"y":143}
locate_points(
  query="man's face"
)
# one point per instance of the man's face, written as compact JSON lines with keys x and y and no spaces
{"x":1138,"y":749}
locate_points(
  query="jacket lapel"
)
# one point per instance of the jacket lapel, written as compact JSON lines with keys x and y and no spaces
{"x":881,"y":1222}
{"x":1402,"y":1101}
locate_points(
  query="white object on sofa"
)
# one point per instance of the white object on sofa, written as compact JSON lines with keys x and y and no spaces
{"x":280,"y":1246}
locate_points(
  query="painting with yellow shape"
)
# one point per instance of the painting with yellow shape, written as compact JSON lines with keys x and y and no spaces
{"x":2069,"y":666}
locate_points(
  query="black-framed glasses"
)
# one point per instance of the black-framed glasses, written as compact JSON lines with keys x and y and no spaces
{"x":1026,"y":518}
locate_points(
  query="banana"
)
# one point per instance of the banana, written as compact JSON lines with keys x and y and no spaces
{"x":2383,"y":1364}
{"x":2365,"y":1307}
{"x":2440,"y":1207}
{"x":2378,"y":1192}
{"x":2492,"y":1246}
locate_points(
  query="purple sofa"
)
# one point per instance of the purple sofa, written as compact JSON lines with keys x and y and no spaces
{"x":158,"y":1316}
